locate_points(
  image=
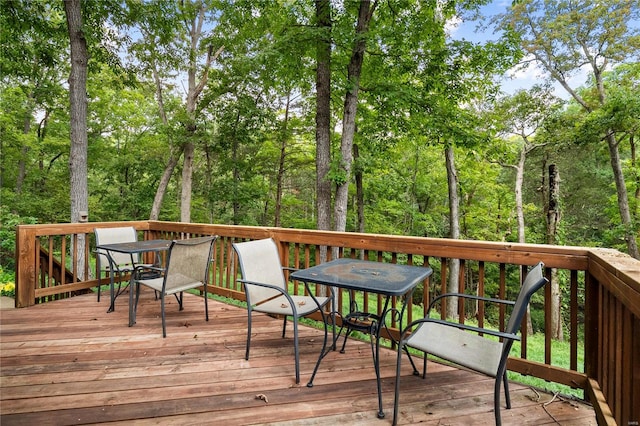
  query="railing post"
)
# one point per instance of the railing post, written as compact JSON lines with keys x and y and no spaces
{"x":26,"y":273}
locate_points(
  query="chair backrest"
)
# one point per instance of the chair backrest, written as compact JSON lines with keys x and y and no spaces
{"x":188,"y":262}
{"x":532,"y":283}
{"x":125,"y":234}
{"x":260,"y":262}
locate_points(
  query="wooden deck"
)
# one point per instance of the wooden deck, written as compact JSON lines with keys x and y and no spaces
{"x":69,"y":362}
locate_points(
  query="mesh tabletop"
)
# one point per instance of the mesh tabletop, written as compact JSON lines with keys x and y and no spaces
{"x":389,"y":279}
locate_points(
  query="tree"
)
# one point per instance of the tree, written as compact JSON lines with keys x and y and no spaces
{"x":171,"y":32}
{"x":354,"y":69}
{"x":323,"y":115}
{"x":521,"y":115}
{"x":159,"y":26}
{"x":194,"y":21}
{"x":563,"y":37}
{"x":78,"y":107}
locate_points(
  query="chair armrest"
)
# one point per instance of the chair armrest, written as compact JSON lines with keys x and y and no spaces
{"x":482,"y":330}
{"x":243,"y":281}
{"x":469,"y":296}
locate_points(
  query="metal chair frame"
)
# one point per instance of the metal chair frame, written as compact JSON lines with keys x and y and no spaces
{"x":187,"y":268}
{"x":266,"y":290}
{"x":468,"y":345}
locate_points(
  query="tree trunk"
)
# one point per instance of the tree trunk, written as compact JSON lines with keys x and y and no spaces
{"x":22,"y":165}
{"x":634,"y":166}
{"x":323,"y":119}
{"x":349,"y":116}
{"x":454,"y":228}
{"x":236,"y":171}
{"x":623,"y":200}
{"x":194,"y":90}
{"x":187,"y":179}
{"x":78,"y":113}
{"x":283,"y":152}
{"x":553,"y":218}
{"x":173,"y":157}
{"x":162,"y":186}
{"x":518,"y":195}
{"x":189,"y":146}
{"x":359,"y":190}
{"x":520,"y":212}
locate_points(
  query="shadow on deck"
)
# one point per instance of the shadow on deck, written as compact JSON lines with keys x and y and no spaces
{"x":69,"y":362}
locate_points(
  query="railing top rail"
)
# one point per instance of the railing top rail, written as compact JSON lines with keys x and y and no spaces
{"x":568,"y":257}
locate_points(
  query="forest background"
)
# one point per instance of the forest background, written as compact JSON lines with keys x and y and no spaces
{"x":361,"y":116}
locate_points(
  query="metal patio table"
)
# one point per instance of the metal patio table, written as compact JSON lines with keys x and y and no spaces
{"x":132,"y":247}
{"x":387,"y":279}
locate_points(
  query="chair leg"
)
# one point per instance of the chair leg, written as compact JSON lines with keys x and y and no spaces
{"x":99,"y":269}
{"x":164,"y":328}
{"x":506,"y":391}
{"x":496,"y":401}
{"x":135,"y":305}
{"x":424,"y":366}
{"x":206,"y":304}
{"x":246,"y":355}
{"x":295,"y":347}
{"x":99,"y":282}
{"x":179,"y":299}
{"x":284,"y":326}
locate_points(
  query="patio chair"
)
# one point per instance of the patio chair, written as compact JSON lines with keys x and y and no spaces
{"x":187,"y":268}
{"x":480,"y":349}
{"x":267,"y":291}
{"x":115,"y":264}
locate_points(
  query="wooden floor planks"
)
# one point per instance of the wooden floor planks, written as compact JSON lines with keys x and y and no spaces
{"x":68,"y":362}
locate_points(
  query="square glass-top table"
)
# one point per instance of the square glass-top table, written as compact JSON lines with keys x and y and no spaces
{"x":387,"y":279}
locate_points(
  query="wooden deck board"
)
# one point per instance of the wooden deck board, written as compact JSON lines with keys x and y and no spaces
{"x":69,"y":362}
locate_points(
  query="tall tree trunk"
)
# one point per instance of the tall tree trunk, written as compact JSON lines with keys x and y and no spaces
{"x":553,"y":218}
{"x":623,"y":200}
{"x":359,"y":190}
{"x":634,"y":166}
{"x":349,"y":116}
{"x":189,"y":146}
{"x":236,"y":170}
{"x":283,"y":152}
{"x":162,"y":186}
{"x":323,"y":119}
{"x":78,"y":113}
{"x":187,"y":178}
{"x":454,"y":228}
{"x":22,"y":165}
{"x":518,"y":195}
{"x":173,"y":157}
{"x":520,"y":211}
{"x":194,"y":90}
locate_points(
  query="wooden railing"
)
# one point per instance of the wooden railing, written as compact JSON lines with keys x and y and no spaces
{"x":602,"y":288}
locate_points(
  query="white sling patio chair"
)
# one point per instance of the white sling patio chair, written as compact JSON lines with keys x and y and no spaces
{"x":115,"y":264}
{"x":187,"y":268}
{"x":267,"y":291}
{"x":463,"y":345}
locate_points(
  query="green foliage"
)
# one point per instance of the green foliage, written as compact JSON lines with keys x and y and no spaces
{"x":420,"y":90}
{"x":8,"y":222}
